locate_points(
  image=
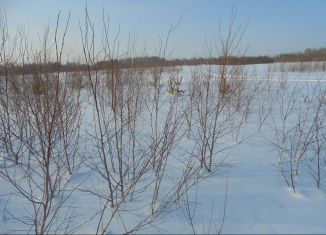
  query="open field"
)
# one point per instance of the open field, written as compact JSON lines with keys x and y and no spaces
{"x":205,"y":149}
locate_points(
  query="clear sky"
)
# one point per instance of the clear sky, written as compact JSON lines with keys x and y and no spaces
{"x":274,"y":26}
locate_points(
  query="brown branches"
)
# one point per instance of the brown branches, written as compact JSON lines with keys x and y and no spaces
{"x":46,"y":133}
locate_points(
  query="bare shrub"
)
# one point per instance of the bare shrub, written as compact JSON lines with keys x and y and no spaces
{"x":316,"y":158}
{"x":217,"y":97}
{"x":294,"y":125}
{"x":75,"y":80}
{"x":117,"y":101}
{"x":174,"y":83}
{"x":47,"y":120}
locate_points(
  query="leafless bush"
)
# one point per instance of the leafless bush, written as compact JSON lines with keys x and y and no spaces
{"x":217,"y":97}
{"x":45,"y":135}
{"x":243,"y":94}
{"x":8,"y":83}
{"x":267,"y":98}
{"x":75,"y":80}
{"x":316,"y":160}
{"x":117,"y":98}
{"x":294,"y":125}
{"x":288,"y":139}
{"x":175,"y":83}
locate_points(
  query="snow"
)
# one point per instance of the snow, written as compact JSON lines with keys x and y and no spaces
{"x":257,"y":199}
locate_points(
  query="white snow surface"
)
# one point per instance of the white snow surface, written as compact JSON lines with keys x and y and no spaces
{"x":257,"y":200}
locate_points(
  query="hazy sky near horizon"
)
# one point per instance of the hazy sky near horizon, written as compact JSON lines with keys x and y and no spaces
{"x":273,"y":26}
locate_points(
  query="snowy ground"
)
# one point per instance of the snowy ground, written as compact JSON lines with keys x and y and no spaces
{"x":257,"y":199}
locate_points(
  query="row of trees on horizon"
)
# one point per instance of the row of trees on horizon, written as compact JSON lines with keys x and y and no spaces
{"x":309,"y":54}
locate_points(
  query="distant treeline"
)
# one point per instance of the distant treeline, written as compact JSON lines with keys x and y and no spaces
{"x":308,"y":55}
{"x":154,"y":61}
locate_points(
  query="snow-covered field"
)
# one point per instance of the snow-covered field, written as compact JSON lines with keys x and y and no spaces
{"x":244,"y":192}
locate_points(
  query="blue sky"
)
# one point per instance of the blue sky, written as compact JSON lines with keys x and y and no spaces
{"x":274,"y":26}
